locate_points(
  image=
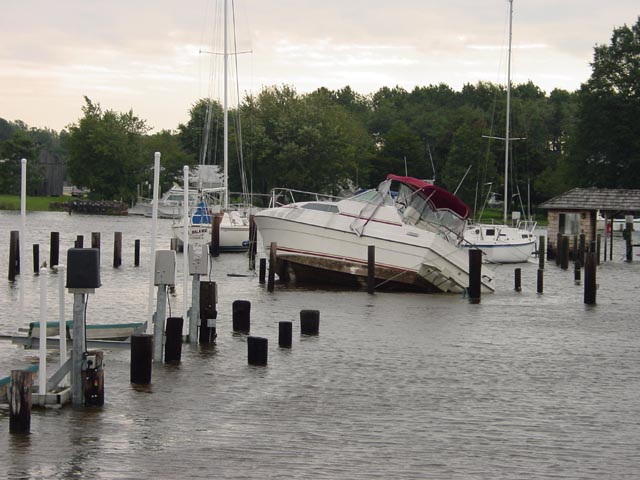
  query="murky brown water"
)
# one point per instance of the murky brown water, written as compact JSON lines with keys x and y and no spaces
{"x":395,"y":385}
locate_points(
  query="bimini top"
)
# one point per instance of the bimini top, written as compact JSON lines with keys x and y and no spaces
{"x":439,"y":198}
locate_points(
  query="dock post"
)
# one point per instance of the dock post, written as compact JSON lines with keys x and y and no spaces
{"x":581,"y":249}
{"x":541,"y":251}
{"x":263,"y":270}
{"x":173,"y":344}
{"x":141,"y":358}
{"x":558,"y":248}
{"x":598,"y":248}
{"x":590,"y":279}
{"x":518,"y":279}
{"x":136,"y":253}
{"x":117,"y":249}
{"x":241,"y":314}
{"x":576,"y":272}
{"x":208,"y":312}
{"x":36,"y":258}
{"x":309,"y":322}
{"x":475,"y":275}
{"x":253,"y":245}
{"x":627,"y":234}
{"x":540,"y":283}
{"x":272,"y":266}
{"x":20,"y":401}
{"x":54,"y":249}
{"x":257,"y":349}
{"x":95,"y":240}
{"x":371,"y":269}
{"x":14,"y":254}
{"x":215,"y":235}
{"x":285,"y":333}
{"x":79,"y":342}
{"x":564,"y":255}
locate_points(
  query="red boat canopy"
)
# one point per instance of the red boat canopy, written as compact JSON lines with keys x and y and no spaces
{"x":438,"y":197}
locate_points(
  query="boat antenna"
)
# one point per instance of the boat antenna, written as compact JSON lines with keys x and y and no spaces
{"x":432,"y":165}
{"x":406,"y":173}
{"x":463,"y":177}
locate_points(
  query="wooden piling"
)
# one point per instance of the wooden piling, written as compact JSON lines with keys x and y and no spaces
{"x":541,"y":251}
{"x":215,"y":235}
{"x":20,"y":401}
{"x":95,"y":240}
{"x":371,"y":269}
{"x":79,"y":243}
{"x":36,"y":258}
{"x":272,"y":266}
{"x":285,"y":333}
{"x":582,"y":249}
{"x":540,"y":285}
{"x":136,"y":253}
{"x":257,"y":349}
{"x":208,"y":312}
{"x":174,"y":244}
{"x":590,"y":279}
{"x":558,"y":248}
{"x":309,"y":322}
{"x":598,"y":248}
{"x":263,"y":270}
{"x":173,"y":340}
{"x":117,"y":249}
{"x":241,"y":316}
{"x":141,"y":358}
{"x":576,"y":272}
{"x":253,"y":244}
{"x":564,"y":253}
{"x":14,"y":255}
{"x":475,"y":274}
{"x":518,"y":279}
{"x":54,"y":249}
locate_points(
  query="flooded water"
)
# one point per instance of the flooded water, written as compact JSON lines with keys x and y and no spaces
{"x":408,"y":386}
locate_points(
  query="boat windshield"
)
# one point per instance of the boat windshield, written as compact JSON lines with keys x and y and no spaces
{"x":417,"y":209}
{"x":373,"y":196}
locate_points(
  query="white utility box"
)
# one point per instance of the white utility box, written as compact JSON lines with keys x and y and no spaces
{"x":165,"y":268}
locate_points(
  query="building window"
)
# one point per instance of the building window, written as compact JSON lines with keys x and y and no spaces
{"x":569,"y":224}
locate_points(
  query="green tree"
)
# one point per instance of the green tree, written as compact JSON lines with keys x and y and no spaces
{"x":18,"y":146}
{"x":173,"y":158}
{"x":106,"y":152}
{"x":605,"y":150}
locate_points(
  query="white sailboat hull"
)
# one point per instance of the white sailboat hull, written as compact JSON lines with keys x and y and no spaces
{"x":234,"y":233}
{"x":321,"y":245}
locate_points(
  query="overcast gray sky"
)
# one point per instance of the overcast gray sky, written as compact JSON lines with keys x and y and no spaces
{"x":144,"y":55}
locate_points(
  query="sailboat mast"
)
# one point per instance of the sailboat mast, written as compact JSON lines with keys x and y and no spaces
{"x":226,"y":112}
{"x":506,"y":136}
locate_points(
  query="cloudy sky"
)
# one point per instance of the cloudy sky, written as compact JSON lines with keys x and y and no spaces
{"x":146,"y":55}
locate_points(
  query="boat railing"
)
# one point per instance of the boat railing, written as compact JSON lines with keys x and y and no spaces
{"x":287,"y":196}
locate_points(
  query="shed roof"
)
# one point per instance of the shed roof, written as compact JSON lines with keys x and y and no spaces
{"x":618,"y":200}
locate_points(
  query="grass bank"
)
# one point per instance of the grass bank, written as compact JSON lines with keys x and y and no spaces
{"x":34,"y":204}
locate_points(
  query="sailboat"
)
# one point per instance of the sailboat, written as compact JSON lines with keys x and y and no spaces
{"x":234,"y":223}
{"x":504,"y":243}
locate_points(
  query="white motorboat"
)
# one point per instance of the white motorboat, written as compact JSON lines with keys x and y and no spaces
{"x":416,"y":232}
{"x":504,"y":243}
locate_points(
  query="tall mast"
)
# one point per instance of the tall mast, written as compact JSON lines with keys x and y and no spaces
{"x":506,"y":135}
{"x":226,"y":113}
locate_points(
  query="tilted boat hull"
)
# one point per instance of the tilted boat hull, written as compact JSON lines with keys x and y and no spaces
{"x":321,"y":246}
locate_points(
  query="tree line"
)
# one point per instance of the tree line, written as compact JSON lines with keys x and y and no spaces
{"x":330,"y":140}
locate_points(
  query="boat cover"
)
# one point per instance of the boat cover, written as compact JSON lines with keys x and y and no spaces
{"x":439,"y":198}
{"x":201,"y":215}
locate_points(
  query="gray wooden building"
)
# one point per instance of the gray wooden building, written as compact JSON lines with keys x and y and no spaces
{"x":576,"y":212}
